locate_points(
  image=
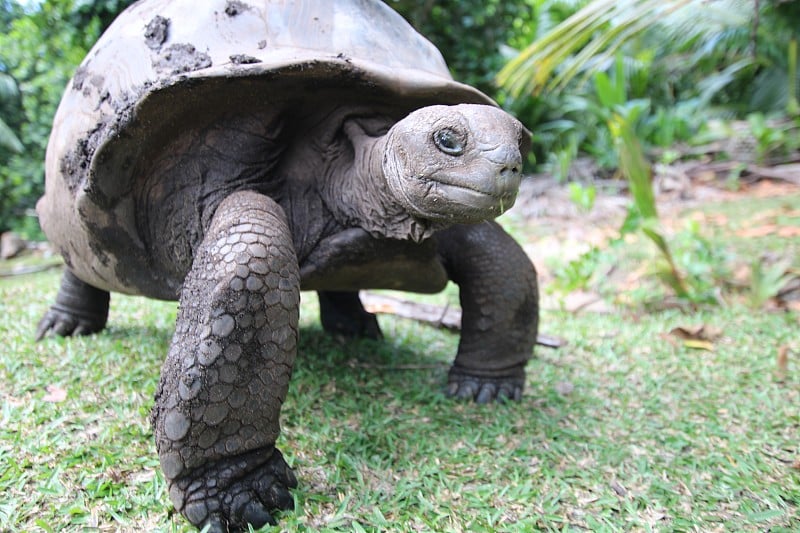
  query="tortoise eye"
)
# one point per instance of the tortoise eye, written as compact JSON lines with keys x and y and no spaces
{"x":448,"y":141}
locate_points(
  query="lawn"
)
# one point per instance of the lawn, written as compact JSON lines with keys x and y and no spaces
{"x":626,"y":427}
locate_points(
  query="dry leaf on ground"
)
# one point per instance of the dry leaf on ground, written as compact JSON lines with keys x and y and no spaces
{"x":698,"y":337}
{"x":698,"y":332}
{"x":585,"y":301}
{"x":782,"y":362}
{"x":55,"y":394}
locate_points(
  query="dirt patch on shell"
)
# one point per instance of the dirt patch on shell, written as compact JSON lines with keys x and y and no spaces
{"x":156,"y":32}
{"x":180,"y":58}
{"x":244,"y":59}
{"x":235,"y":7}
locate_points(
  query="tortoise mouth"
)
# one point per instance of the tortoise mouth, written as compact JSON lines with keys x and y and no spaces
{"x":462,"y":203}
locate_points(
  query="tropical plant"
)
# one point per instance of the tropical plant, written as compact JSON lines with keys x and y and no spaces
{"x":735,"y":53}
{"x":473,"y":35}
{"x":9,"y":103}
{"x":629,"y":51}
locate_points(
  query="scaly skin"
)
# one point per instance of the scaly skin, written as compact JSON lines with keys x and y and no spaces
{"x":499,"y":301}
{"x":80,"y":309}
{"x":228,"y":369}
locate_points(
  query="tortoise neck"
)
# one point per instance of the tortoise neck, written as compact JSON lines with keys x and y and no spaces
{"x":368,"y":154}
{"x":365,"y":197}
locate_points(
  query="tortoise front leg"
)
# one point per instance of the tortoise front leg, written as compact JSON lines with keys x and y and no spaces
{"x":500,"y":311}
{"x":228,"y":369}
{"x":80,"y":309}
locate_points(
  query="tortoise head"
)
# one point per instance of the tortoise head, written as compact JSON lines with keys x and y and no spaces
{"x":456,"y":164}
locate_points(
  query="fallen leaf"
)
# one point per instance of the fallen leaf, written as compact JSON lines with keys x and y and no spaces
{"x":564,"y":388}
{"x":707,"y":176}
{"x":699,"y":332}
{"x":699,"y":345}
{"x":789,"y":231}
{"x":758,"y":231}
{"x":578,"y":301}
{"x":767,"y":189}
{"x":782,"y":362}
{"x":618,"y":488}
{"x":55,"y":394}
{"x":742,"y":275}
{"x":796,"y":464}
{"x":551,"y":341}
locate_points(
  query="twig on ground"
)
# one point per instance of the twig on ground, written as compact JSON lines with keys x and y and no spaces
{"x":29,"y":269}
{"x":434,"y":315}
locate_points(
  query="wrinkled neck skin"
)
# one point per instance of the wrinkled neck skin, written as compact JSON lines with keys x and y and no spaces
{"x":358,"y":193}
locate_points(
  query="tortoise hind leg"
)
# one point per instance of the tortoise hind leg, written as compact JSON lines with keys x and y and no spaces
{"x":80,"y":309}
{"x":216,"y":414}
{"x":342,"y":314}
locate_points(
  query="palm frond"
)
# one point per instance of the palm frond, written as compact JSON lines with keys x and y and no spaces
{"x":8,"y":88}
{"x":714,"y":83}
{"x":595,"y":33}
{"x":8,"y":139}
{"x":9,"y":92}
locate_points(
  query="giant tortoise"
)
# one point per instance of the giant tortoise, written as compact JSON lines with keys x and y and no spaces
{"x":229,"y":154}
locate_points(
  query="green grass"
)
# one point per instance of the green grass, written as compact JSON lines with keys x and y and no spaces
{"x":620,"y":430}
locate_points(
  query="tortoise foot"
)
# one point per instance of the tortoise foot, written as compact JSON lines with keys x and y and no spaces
{"x":344,"y":317}
{"x":80,"y":309}
{"x":65,"y":323}
{"x":484,"y":389}
{"x":237,"y":491}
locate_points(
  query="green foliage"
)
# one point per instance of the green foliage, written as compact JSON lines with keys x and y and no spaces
{"x":692,"y":60}
{"x":594,"y":33}
{"x":767,"y":280}
{"x":9,"y":105}
{"x":40,"y":49}
{"x":770,"y":138}
{"x":696,"y":45}
{"x":621,"y":118}
{"x":100,"y":12}
{"x":563,"y":158}
{"x":582,"y":123}
{"x":643,"y":215}
{"x":582,"y":196}
{"x":690,"y":265}
{"x":703,"y":263}
{"x":472,"y":34}
{"x":577,"y":273}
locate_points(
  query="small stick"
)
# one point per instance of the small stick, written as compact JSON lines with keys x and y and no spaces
{"x":433,"y":315}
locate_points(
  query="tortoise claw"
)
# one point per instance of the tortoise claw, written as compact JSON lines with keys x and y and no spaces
{"x":61,"y":322}
{"x":80,"y":309}
{"x":251,"y":499}
{"x":484,"y":390}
